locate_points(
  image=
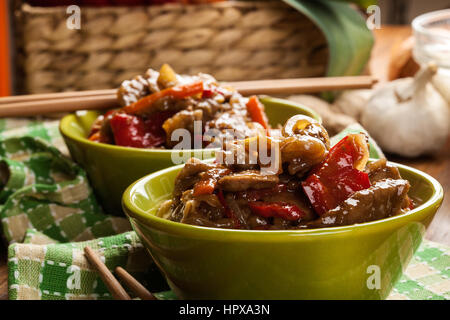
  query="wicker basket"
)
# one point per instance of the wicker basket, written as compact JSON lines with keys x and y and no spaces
{"x":231,"y":40}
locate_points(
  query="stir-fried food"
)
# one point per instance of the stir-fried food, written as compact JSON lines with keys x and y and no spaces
{"x":156,"y":104}
{"x":312,"y":186}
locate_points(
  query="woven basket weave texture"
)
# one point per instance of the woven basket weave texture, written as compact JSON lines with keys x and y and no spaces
{"x":230,"y":40}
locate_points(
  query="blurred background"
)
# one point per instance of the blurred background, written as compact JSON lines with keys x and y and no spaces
{"x":404,"y":11}
{"x":119,"y":39}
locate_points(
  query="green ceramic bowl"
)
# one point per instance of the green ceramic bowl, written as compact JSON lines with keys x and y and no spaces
{"x":353,"y":262}
{"x":113,"y":168}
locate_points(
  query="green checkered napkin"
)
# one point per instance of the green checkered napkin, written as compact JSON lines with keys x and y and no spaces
{"x":44,"y":189}
{"x":49,"y":214}
{"x":41,"y":268}
{"x":427,"y":276}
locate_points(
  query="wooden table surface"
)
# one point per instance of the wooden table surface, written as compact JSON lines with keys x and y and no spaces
{"x":438,"y":166}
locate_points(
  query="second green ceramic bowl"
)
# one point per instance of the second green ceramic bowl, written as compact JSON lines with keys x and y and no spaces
{"x":111,"y":169}
{"x":360,"y":261}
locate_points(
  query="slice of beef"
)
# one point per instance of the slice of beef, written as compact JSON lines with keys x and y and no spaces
{"x":380,"y":170}
{"x":250,"y":179}
{"x":383,"y":199}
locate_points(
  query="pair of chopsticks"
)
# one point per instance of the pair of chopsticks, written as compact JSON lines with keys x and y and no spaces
{"x":113,"y":285}
{"x":36,"y":104}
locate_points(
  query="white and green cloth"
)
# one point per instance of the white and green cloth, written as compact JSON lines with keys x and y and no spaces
{"x":49,"y":214}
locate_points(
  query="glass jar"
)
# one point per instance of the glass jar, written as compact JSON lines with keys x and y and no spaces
{"x":432,"y":43}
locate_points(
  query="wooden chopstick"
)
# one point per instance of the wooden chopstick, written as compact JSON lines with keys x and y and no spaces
{"x":102,"y":99}
{"x":304,"y":85}
{"x":56,"y":95}
{"x":32,"y":108}
{"x":114,"y":287}
{"x":137,"y":288}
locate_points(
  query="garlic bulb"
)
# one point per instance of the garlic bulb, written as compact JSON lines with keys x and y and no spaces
{"x":408,"y":116}
{"x":352,"y":102}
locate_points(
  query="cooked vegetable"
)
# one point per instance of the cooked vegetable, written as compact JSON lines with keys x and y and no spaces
{"x":305,"y":144}
{"x":95,"y":136}
{"x":167,"y":77}
{"x":301,"y":153}
{"x":145,"y":104}
{"x":209,"y":181}
{"x":132,"y":131}
{"x":339,"y":176}
{"x":277,"y":209}
{"x":333,"y":120}
{"x":256,"y":111}
{"x":305,"y":126}
{"x":325,"y":194}
{"x":198,"y":104}
{"x":339,"y":189}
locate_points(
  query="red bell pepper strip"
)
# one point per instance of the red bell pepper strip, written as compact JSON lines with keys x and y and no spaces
{"x":179,"y":92}
{"x":204,"y":187}
{"x":208,"y":93}
{"x":327,"y":193}
{"x":95,"y":136}
{"x":283,"y":210}
{"x":155,"y":122}
{"x":337,"y":177}
{"x":129,"y":131}
{"x":256,"y":111}
{"x":351,"y":151}
{"x":208,"y":183}
{"x":134,"y":131}
{"x":411,"y":204}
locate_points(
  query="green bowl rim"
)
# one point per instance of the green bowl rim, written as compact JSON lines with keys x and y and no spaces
{"x":149,"y":219}
{"x":66,"y":120}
